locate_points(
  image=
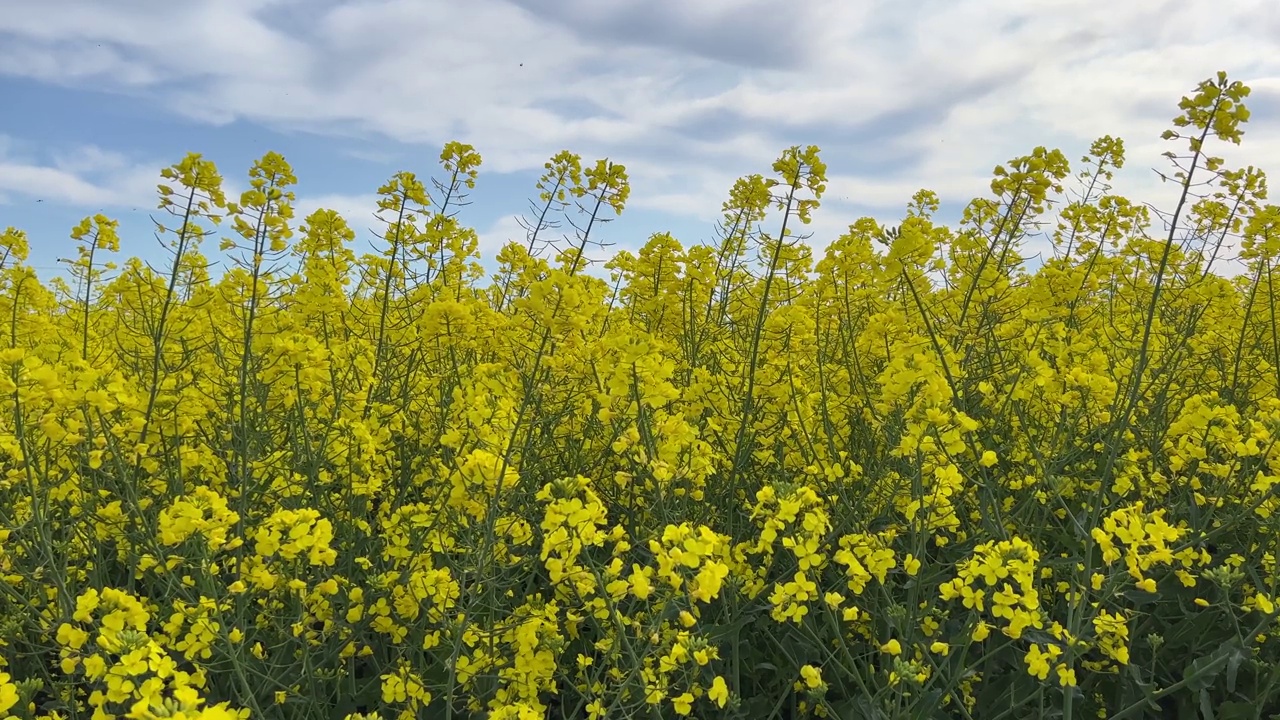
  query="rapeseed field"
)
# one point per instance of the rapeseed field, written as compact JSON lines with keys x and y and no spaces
{"x":910,"y":476}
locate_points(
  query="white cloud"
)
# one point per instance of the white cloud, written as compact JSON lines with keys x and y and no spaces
{"x":86,"y":176}
{"x":160,"y":41}
{"x":42,"y":182}
{"x":357,"y":210}
{"x":504,"y":230}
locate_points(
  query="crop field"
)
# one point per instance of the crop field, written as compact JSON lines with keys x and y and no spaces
{"x":912,"y":475}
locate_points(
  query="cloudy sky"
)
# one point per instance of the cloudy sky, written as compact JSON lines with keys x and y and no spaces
{"x":97,"y":95}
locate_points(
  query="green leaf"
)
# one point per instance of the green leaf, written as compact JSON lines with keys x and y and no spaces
{"x":858,"y":707}
{"x":1146,"y":688}
{"x":1141,"y":598}
{"x":1185,"y":635}
{"x":1235,"y":710}
{"x":1206,"y":705}
{"x":1233,"y":668}
{"x":1203,"y":671}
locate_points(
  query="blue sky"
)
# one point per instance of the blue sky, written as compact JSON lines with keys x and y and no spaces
{"x":97,"y":96}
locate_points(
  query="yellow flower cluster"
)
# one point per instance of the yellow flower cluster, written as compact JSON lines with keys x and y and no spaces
{"x":1144,"y":542}
{"x":694,"y":559}
{"x":1000,"y":580}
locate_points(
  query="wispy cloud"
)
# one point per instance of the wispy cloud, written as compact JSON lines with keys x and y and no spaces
{"x":82,"y":176}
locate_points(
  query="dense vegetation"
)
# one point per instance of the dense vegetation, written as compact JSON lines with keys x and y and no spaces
{"x":909,"y":479}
